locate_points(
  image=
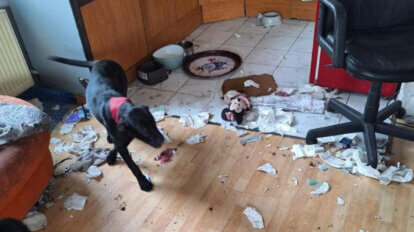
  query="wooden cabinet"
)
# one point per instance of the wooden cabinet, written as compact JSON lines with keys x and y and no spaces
{"x":115,"y":31}
{"x":168,"y":21}
{"x":298,"y":9}
{"x":218,"y":10}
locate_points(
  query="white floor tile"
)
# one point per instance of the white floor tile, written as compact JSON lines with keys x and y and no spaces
{"x":244,"y":39}
{"x":252,"y":27}
{"x":265,"y":56}
{"x":215,"y":106}
{"x":295,"y":22}
{"x":200,"y":29}
{"x":297,"y":60}
{"x":275,"y":41}
{"x":287,"y":30}
{"x":302,"y":45}
{"x":292,"y":77}
{"x":202,"y":46}
{"x":243,"y":52}
{"x":202,"y":87}
{"x":308,"y":32}
{"x":213,"y":37}
{"x":174,"y":82}
{"x":186,"y":104}
{"x":151,"y":97}
{"x":247,"y":69}
{"x":228,"y":25}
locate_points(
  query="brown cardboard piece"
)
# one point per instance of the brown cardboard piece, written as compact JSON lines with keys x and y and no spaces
{"x":265,"y":81}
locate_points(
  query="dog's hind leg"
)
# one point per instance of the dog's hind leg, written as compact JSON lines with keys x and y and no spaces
{"x":142,"y":180}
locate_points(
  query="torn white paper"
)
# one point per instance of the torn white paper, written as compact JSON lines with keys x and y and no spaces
{"x":295,"y":181}
{"x":164,"y":134}
{"x":229,"y":127}
{"x":325,"y":140}
{"x":340,"y":201}
{"x":298,"y":102}
{"x":250,"y":83}
{"x":332,"y":160}
{"x":54,"y":140}
{"x":75,"y":202}
{"x":301,"y":151}
{"x":35,"y":221}
{"x":195,"y":121}
{"x":158,"y":113}
{"x":268,"y":168}
{"x":254,"y":217}
{"x":271,"y":121}
{"x":66,"y":128}
{"x":196,"y":138}
{"x":324,"y":188}
{"x":93,"y":172}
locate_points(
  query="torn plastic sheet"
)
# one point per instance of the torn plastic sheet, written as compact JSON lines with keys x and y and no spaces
{"x":66,"y":128}
{"x":196,"y":138}
{"x":75,"y":202}
{"x":250,"y":139}
{"x":301,"y":151}
{"x":324,"y":188}
{"x":298,"y":102}
{"x":158,"y":113}
{"x":250,"y":83}
{"x":254,"y":217}
{"x":93,"y":172}
{"x":229,"y":127}
{"x":195,"y":121}
{"x":271,"y":121}
{"x":267,"y":168}
{"x":164,"y":134}
{"x":34,"y":221}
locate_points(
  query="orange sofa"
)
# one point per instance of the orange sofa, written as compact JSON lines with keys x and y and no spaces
{"x":25,"y":169}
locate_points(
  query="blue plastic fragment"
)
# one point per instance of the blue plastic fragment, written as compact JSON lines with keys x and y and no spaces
{"x":250,"y":139}
{"x":346,"y":142}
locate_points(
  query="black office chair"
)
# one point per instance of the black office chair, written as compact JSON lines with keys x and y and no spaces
{"x":372,"y":40}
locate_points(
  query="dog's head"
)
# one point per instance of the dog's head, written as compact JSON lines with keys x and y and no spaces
{"x":141,"y":124}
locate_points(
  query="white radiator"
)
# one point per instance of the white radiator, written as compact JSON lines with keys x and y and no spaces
{"x":14,"y":73}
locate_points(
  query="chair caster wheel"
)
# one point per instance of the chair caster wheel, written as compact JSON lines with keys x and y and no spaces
{"x":400,"y":113}
{"x":310,"y":141}
{"x":330,"y":109}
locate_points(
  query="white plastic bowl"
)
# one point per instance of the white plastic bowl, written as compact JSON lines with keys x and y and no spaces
{"x":171,"y":56}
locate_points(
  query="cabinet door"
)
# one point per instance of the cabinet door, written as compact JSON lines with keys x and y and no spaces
{"x":284,"y":7}
{"x":115,"y":31}
{"x":304,"y":9}
{"x":218,"y":10}
{"x":185,"y":7}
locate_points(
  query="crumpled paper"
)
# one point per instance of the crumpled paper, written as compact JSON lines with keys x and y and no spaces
{"x":301,"y":151}
{"x":195,"y":121}
{"x":267,"y":168}
{"x":196,"y":138}
{"x":254,"y":217}
{"x":75,"y":202}
{"x":93,"y":172}
{"x":271,"y":121}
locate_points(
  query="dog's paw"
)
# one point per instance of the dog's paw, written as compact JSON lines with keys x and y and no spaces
{"x":145,"y":185}
{"x":111,"y":158}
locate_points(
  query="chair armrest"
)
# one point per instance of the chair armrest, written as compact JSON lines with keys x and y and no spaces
{"x":336,"y":50}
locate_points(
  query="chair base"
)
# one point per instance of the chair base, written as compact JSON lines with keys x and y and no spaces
{"x":364,"y":123}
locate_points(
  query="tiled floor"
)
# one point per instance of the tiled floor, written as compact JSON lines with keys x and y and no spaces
{"x":283,"y":51}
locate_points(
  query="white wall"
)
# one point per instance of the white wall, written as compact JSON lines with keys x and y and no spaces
{"x":4,"y":3}
{"x":48,"y":28}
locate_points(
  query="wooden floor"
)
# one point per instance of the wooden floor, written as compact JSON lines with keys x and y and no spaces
{"x":188,"y":195}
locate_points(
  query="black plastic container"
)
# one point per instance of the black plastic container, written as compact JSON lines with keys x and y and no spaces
{"x":152,"y":73}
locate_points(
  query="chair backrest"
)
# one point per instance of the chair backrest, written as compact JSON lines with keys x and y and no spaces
{"x":370,"y":14}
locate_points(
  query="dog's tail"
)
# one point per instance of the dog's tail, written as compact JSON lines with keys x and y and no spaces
{"x":87,"y":64}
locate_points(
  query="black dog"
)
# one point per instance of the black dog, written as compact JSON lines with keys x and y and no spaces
{"x":106,"y":98}
{"x":12,"y":225}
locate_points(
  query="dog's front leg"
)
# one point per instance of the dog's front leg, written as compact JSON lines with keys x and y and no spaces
{"x":142,"y":180}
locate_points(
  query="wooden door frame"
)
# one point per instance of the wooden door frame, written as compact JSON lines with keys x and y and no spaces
{"x":76,"y":10}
